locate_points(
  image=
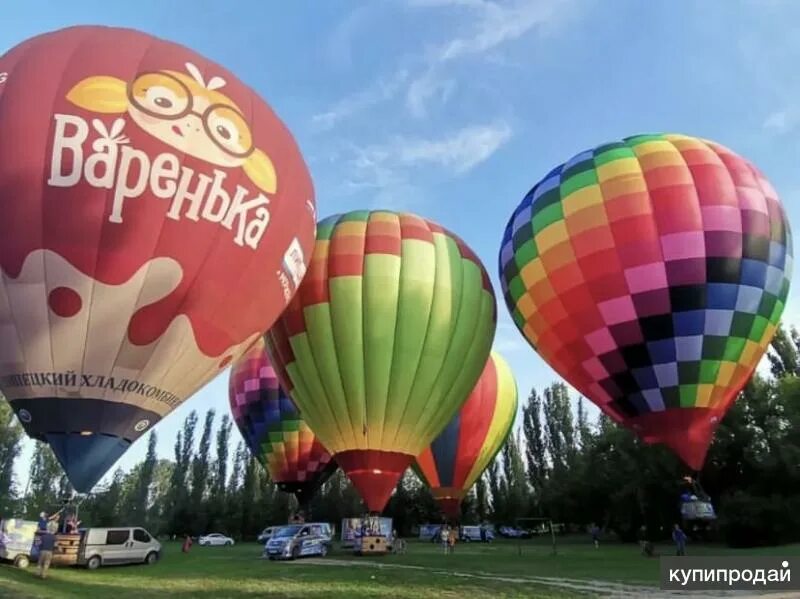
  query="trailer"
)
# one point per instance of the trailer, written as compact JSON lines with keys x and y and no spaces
{"x":18,"y":541}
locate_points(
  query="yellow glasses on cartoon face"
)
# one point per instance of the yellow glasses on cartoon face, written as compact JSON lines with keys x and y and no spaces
{"x":163,"y":96}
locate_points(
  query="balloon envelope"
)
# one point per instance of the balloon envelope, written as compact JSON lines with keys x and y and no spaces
{"x":272,"y":427}
{"x":463,"y":450}
{"x":384,"y":341}
{"x":139,"y":185}
{"x":651,"y":273}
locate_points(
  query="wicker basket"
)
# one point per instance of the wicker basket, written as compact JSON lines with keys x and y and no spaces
{"x":66,"y":550}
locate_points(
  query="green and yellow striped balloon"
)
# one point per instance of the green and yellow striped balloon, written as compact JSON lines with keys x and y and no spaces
{"x":384,"y":341}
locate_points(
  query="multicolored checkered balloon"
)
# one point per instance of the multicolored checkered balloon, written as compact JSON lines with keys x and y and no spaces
{"x":651,"y":273}
{"x":272,"y":427}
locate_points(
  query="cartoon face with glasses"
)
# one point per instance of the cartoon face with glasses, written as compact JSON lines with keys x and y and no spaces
{"x":184,"y":112}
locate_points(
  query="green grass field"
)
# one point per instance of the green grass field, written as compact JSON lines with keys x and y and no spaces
{"x":502,"y":569}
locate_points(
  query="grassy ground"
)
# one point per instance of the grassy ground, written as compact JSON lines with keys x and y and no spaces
{"x":239,"y":572}
{"x":575,"y":558}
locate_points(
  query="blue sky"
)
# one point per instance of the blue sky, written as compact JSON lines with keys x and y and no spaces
{"x":453,"y":109}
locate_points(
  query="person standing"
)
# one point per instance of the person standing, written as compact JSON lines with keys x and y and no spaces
{"x":444,"y":537}
{"x":398,"y":544}
{"x":187,"y":544}
{"x":451,"y":540}
{"x":648,"y":550}
{"x":680,"y":540}
{"x":56,"y":521}
{"x":47,"y":545}
{"x":595,"y":530}
{"x":72,"y":525}
{"x":44,"y":519}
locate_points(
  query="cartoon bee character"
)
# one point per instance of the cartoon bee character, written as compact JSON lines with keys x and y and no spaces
{"x":184,"y":112}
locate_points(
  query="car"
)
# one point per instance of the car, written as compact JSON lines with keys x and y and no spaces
{"x":119,"y":545}
{"x":266,"y":534}
{"x":512,"y":532}
{"x":299,"y":540}
{"x":214,"y":539}
{"x":91,"y":547}
{"x":476,"y":533}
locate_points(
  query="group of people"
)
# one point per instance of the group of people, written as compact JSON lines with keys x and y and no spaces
{"x":48,"y":527}
{"x":69,"y":525}
{"x":447,"y":536}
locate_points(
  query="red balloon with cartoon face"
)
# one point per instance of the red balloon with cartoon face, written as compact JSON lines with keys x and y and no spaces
{"x":155,"y":217}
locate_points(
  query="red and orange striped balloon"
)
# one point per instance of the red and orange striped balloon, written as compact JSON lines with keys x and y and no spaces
{"x":460,"y":454}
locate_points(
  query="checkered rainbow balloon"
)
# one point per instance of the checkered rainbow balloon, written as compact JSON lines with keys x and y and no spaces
{"x":651,"y":273}
{"x":272,"y":427}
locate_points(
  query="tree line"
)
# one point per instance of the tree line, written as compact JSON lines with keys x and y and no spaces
{"x":558,"y":464}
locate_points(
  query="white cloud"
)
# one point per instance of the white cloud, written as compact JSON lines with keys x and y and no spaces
{"x":509,"y":339}
{"x":508,"y":345}
{"x":494,"y":25}
{"x":777,"y":120}
{"x":460,"y":152}
{"x":374,"y":170}
{"x":490,"y":25}
{"x":371,"y":169}
{"x":767,"y":51}
{"x":446,"y":3}
{"x":497,"y":24}
{"x":782,"y":121}
{"x":390,"y":171}
{"x":426,"y":87}
{"x":383,"y":89}
{"x":339,"y":47}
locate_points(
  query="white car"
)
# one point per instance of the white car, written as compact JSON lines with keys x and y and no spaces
{"x":215,"y":539}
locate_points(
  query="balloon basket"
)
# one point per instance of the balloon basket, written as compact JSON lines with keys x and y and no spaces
{"x":65,"y":551}
{"x":371,"y":545}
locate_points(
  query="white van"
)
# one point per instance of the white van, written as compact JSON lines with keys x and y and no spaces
{"x":119,"y":545}
{"x":476,"y":533}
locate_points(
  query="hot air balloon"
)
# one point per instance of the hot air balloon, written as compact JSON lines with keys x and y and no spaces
{"x":139,"y":184}
{"x":469,"y":443}
{"x":273,"y":429}
{"x":651,"y":274}
{"x":384,"y":341}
